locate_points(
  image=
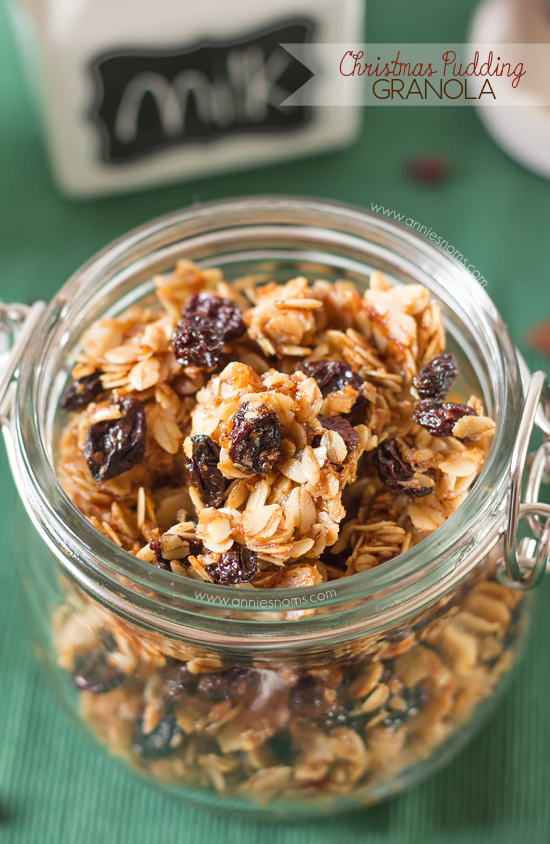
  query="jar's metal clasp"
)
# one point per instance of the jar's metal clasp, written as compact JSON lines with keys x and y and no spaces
{"x":18,"y":322}
{"x":524,"y":570}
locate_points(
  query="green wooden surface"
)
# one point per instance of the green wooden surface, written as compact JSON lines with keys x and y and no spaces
{"x":55,"y":788}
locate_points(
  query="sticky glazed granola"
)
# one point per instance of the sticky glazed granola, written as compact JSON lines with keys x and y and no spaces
{"x":259,"y":435}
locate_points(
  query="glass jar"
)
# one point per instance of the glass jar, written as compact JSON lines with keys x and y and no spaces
{"x":285,"y":701}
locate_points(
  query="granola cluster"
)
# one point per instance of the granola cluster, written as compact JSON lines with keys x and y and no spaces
{"x":269,"y":434}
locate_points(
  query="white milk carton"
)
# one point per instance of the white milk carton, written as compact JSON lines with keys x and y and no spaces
{"x":137,"y":93}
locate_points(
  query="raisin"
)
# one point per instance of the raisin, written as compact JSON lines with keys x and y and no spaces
{"x":225,"y":685}
{"x":236,"y":566}
{"x":339,"y":560}
{"x":308,"y":700}
{"x":387,"y":674}
{"x":195,"y":548}
{"x":392,"y":469}
{"x":422,"y":623}
{"x":225,"y":314}
{"x":82,"y":392}
{"x":255,"y":439}
{"x":440,"y":419}
{"x":414,"y":698}
{"x":342,"y":427}
{"x":395,"y":472}
{"x":203,"y":471}
{"x":92,"y":672}
{"x":208,"y":323}
{"x":332,"y":375}
{"x":304,"y":693}
{"x":399,"y":635}
{"x":197,"y":341}
{"x":436,"y":379}
{"x":113,"y":446}
{"x":160,"y":742}
{"x":428,"y":170}
{"x":178,"y":680}
{"x":160,"y":562}
{"x":539,"y":338}
{"x":223,"y":360}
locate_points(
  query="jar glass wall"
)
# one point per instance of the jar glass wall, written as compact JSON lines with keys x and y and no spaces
{"x":322,"y":697}
{"x":287,"y":734}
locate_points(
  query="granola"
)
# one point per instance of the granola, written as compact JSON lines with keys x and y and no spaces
{"x":346,"y":724}
{"x":277,"y":435}
{"x":273,"y":434}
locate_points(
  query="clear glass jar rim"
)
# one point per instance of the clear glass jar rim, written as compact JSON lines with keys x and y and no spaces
{"x":65,"y":528}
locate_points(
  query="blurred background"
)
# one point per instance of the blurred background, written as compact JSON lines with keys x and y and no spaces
{"x":438,"y":166}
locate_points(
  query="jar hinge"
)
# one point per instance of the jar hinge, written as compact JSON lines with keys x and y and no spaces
{"x":18,"y":322}
{"x":516,"y":569}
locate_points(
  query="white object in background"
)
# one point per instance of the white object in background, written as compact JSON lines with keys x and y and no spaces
{"x":522,"y":132}
{"x":135,"y":93}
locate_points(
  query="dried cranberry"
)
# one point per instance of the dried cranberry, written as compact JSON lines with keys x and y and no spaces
{"x":236,"y":566}
{"x":342,"y":427}
{"x":160,"y":742}
{"x":225,"y":314}
{"x":82,"y":392}
{"x":331,"y":375}
{"x":395,"y":472}
{"x":440,"y":419}
{"x":203,"y":470}
{"x":113,"y":446}
{"x":255,"y":439}
{"x":160,"y":562}
{"x":436,"y":379}
{"x":198,"y":341}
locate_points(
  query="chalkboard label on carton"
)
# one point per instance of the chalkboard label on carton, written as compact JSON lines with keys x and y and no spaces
{"x":152,"y":100}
